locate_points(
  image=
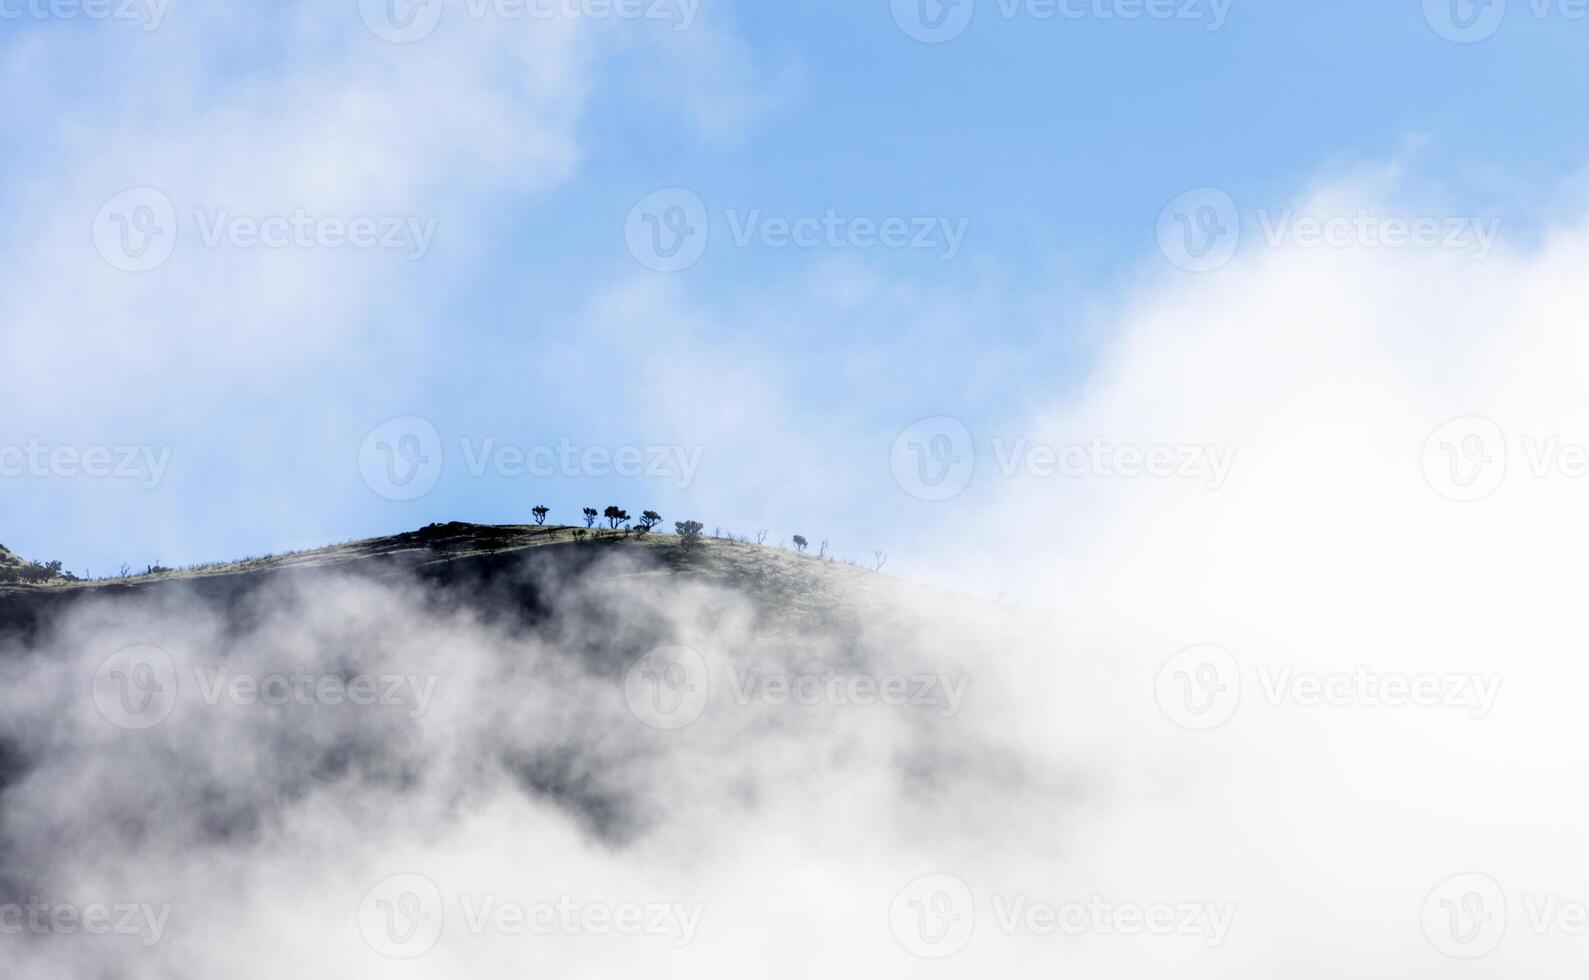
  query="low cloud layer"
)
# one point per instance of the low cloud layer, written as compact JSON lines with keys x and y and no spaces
{"x":641,"y":778}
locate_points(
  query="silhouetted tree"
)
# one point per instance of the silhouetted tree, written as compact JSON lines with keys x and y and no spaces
{"x":36,"y":571}
{"x":590,"y":516}
{"x":880,"y":559}
{"x":761,"y":536}
{"x":615,"y":517}
{"x":540,"y":514}
{"x":800,"y":543}
{"x":689,"y":532}
{"x":650,"y":519}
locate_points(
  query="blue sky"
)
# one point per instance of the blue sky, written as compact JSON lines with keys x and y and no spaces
{"x":789,"y":372}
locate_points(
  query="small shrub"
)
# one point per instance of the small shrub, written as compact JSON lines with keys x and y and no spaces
{"x":800,"y":543}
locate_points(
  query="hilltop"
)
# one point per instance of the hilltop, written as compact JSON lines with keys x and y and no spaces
{"x":516,"y":569}
{"x":544,"y":644}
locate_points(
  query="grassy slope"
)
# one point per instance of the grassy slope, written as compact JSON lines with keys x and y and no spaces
{"x":802,"y":588}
